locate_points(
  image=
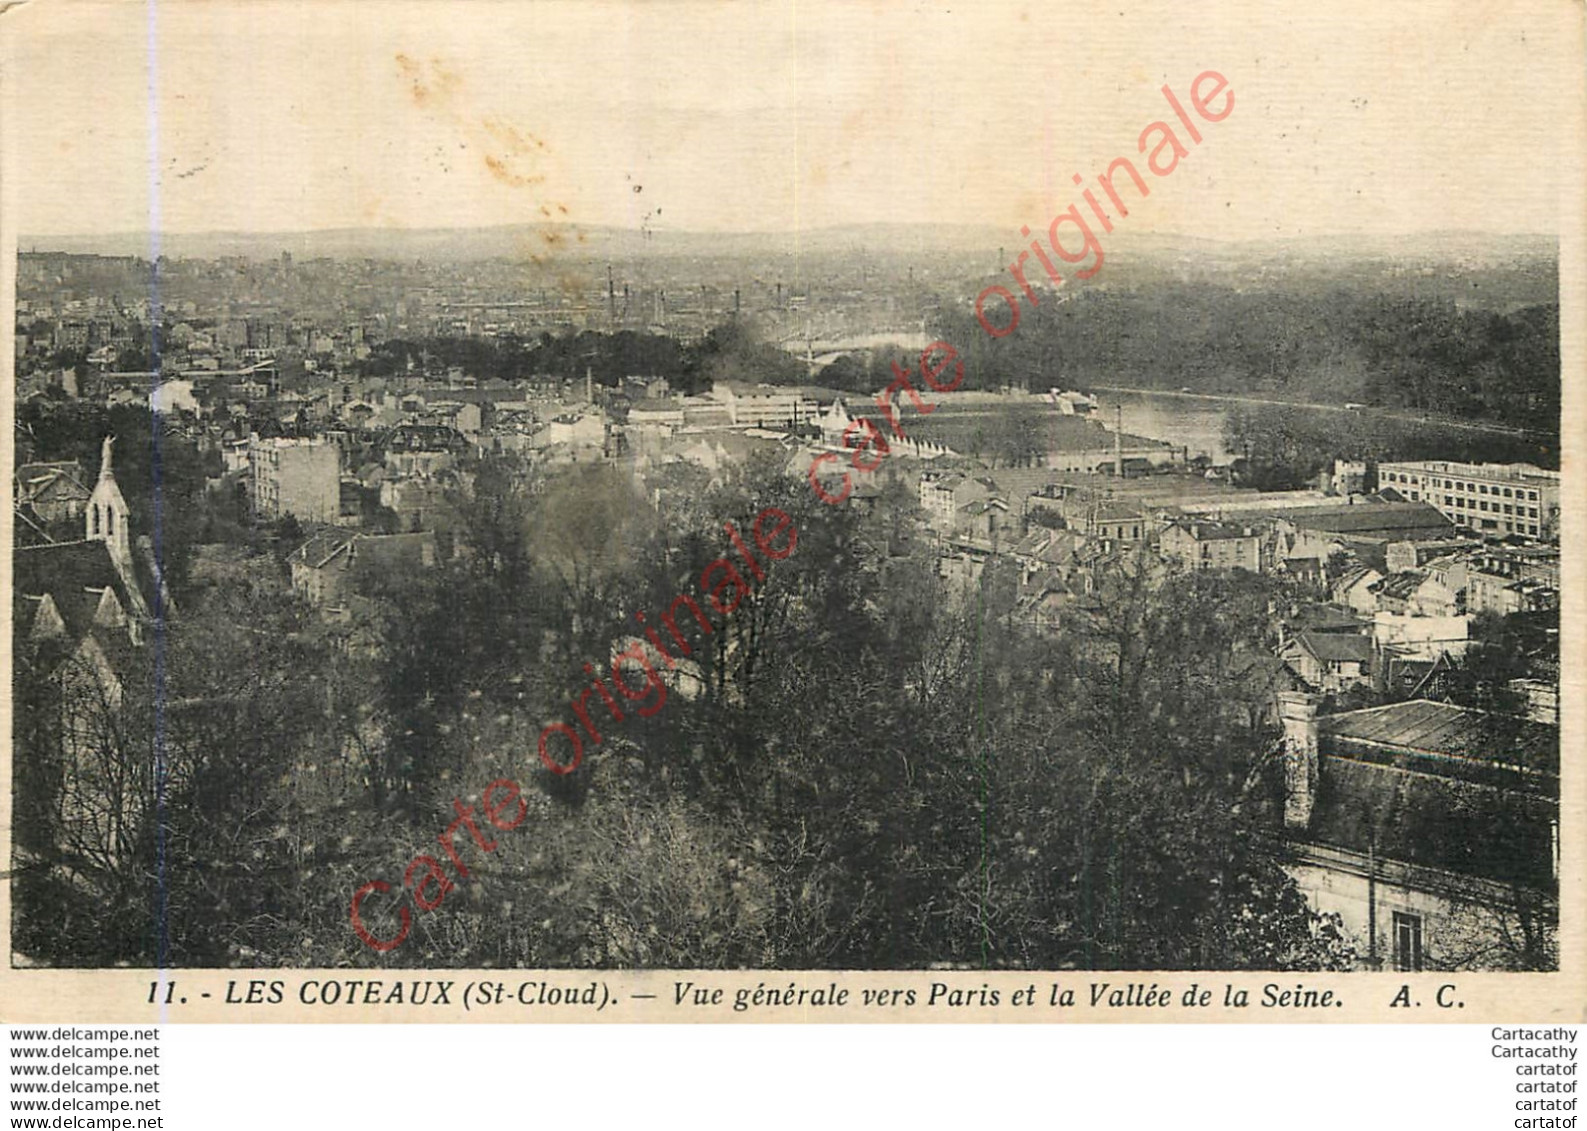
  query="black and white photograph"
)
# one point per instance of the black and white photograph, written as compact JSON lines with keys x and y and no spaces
{"x":804,"y":487}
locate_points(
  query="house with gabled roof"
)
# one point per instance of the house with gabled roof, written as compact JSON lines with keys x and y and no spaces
{"x":1415,"y":592}
{"x":944,"y":495}
{"x":51,"y":495}
{"x":987,"y":520}
{"x":1043,"y":548}
{"x":1307,"y":569}
{"x":335,"y":565}
{"x":422,"y":449}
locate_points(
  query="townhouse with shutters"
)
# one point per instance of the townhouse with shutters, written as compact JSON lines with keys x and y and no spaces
{"x":87,"y":597}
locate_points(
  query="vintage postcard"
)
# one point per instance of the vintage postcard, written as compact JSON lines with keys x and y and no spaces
{"x":803,"y":511}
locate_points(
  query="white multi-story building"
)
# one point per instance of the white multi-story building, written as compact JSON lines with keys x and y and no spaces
{"x":764,"y":406}
{"x":1495,"y":498}
{"x":296,"y":477}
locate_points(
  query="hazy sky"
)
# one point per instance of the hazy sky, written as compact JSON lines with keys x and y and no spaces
{"x":1377,"y":117}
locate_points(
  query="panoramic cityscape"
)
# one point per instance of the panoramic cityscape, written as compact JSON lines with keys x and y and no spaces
{"x":603,"y":486}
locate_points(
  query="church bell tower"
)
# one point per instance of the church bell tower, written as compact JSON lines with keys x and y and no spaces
{"x":106,"y":516}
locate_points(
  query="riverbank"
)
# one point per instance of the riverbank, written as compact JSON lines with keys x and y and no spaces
{"x":1307,"y":436}
{"x":1355,"y":410}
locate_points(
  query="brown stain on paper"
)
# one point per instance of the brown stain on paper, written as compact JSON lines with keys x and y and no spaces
{"x":427,"y":85}
{"x":511,"y":154}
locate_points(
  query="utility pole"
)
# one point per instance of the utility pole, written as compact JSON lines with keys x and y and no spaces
{"x":1372,"y":902}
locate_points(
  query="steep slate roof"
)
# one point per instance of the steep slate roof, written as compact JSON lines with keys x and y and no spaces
{"x":1016,"y":483}
{"x":387,"y":554}
{"x":320,"y":549}
{"x":424,"y":438}
{"x":391,"y":554}
{"x":1400,"y":585}
{"x":1259,"y":671}
{"x":41,"y":481}
{"x":1032,"y":544}
{"x":72,"y":575}
{"x":1060,"y":549}
{"x":1372,"y":519}
{"x":1450,"y":735}
{"x":1051,"y":547}
{"x":1043,"y":582}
